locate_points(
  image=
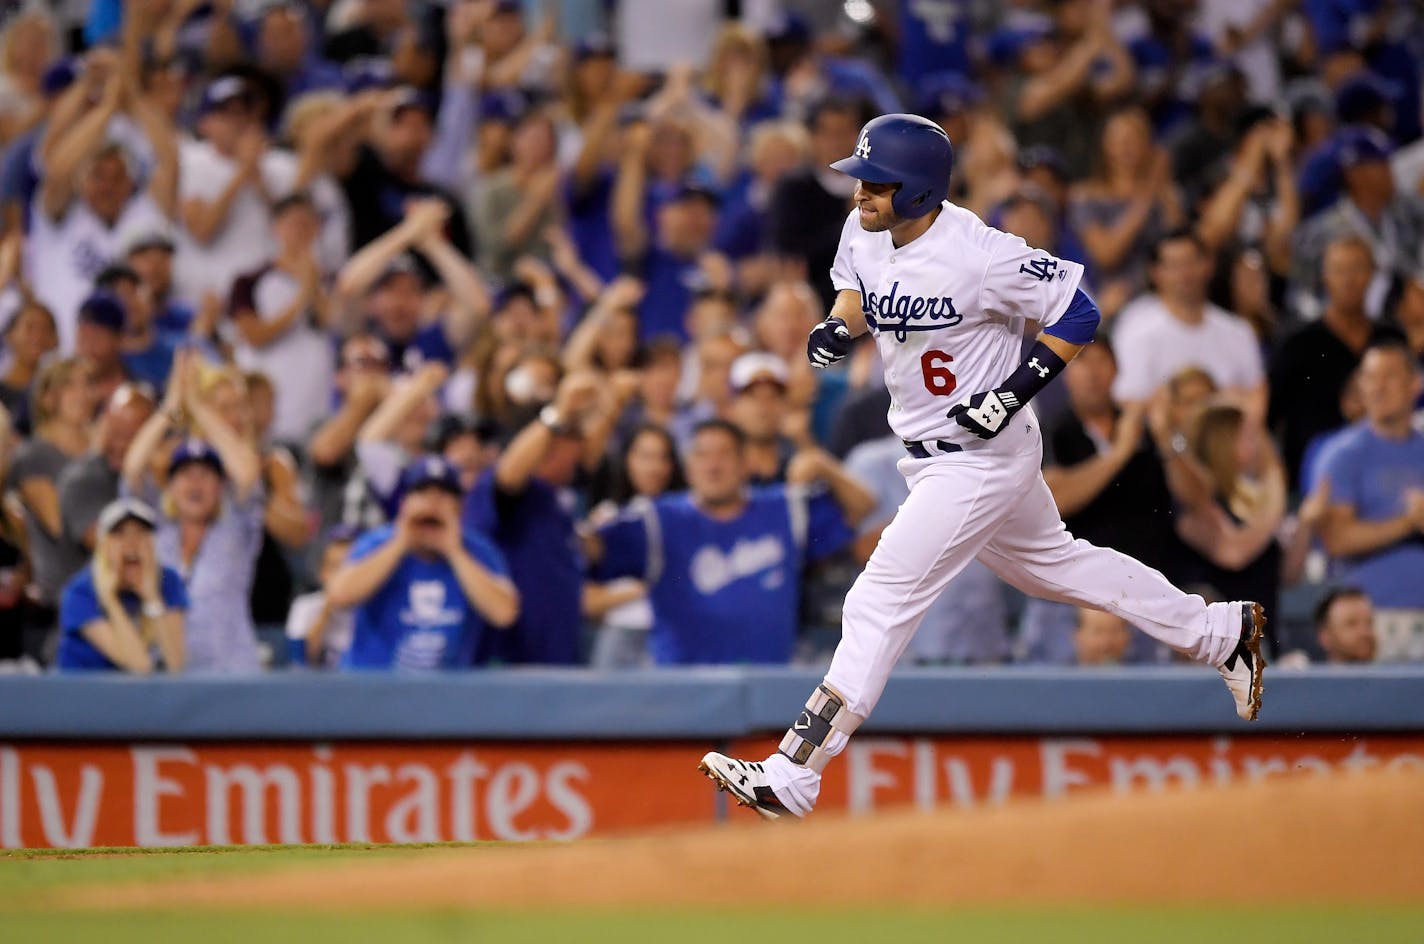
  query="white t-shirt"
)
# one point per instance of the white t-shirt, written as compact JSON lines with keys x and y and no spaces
{"x":244,"y":242}
{"x":948,"y":312}
{"x":62,"y":257}
{"x":1151,"y":345}
{"x":300,"y":363}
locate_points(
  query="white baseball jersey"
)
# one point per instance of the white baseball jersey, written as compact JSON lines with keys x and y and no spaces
{"x":948,"y":312}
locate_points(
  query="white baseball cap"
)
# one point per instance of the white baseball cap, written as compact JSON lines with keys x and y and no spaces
{"x":757,"y":366}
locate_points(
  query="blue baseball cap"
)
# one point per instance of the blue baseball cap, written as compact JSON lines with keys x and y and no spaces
{"x":193,"y":450}
{"x":1361,"y":145}
{"x":430,"y":471}
{"x":60,"y":76}
{"x":1361,"y":95}
{"x":364,"y":73}
{"x":597,"y":45}
{"x":505,"y":106}
{"x":103,"y":309}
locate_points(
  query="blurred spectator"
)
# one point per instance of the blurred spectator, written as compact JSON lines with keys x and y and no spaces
{"x":1311,"y":367}
{"x":89,"y":195}
{"x":126,"y":610}
{"x":383,"y":283}
{"x":29,"y":337}
{"x":281,"y":313}
{"x":1067,"y":71}
{"x":390,"y":438}
{"x":1100,"y":638}
{"x":14,"y":569}
{"x":1173,"y":61}
{"x":1373,"y":475}
{"x":387,"y":176}
{"x":1256,"y":203}
{"x":469,"y":445}
{"x":775,"y":150}
{"x":968,"y":624}
{"x":1204,"y":141}
{"x":146,"y":355}
{"x":210,"y":527}
{"x":647,"y":468}
{"x":1234,"y":529}
{"x":809,"y":206}
{"x":147,"y":251}
{"x":1392,"y":223}
{"x":523,"y":503}
{"x":1345,"y":626}
{"x":760,"y":410}
{"x":362,"y":382}
{"x":723,"y":563}
{"x":511,"y":209}
{"x":86,"y":485}
{"x":229,"y":177}
{"x":27,"y":49}
{"x":318,"y":633}
{"x":423,"y":589}
{"x":63,"y":405}
{"x":283,"y":49}
{"x":1158,"y":334}
{"x":97,"y":343}
{"x":1129,"y":206}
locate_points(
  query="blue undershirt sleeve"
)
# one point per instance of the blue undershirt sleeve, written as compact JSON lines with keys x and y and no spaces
{"x":1079,"y":323}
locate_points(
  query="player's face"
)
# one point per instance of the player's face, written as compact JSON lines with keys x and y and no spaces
{"x":874,"y":203}
{"x":715,"y":468}
{"x":1349,"y":632}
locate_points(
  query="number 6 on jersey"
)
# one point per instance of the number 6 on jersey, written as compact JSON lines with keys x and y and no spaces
{"x":939,"y":379}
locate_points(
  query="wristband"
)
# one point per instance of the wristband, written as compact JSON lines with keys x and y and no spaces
{"x":1035,"y":373}
{"x":552,"y":418}
{"x":153,"y":609}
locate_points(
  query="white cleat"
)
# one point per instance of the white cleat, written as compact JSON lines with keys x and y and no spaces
{"x":1243,"y":669}
{"x":746,"y":781}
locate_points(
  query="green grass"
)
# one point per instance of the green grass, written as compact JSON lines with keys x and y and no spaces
{"x":1038,"y":926}
{"x":25,"y":877}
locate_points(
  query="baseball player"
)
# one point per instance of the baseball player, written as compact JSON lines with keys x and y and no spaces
{"x":947,"y":298}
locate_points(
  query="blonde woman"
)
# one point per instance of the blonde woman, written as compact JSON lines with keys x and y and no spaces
{"x":1234,"y":530}
{"x":210,"y":529}
{"x":125,"y":610}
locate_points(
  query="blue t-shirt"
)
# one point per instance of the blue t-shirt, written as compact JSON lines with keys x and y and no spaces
{"x":1372,"y":474}
{"x":79,"y":606}
{"x":535,"y":532}
{"x":152,"y":365}
{"x":427,"y":344}
{"x":934,"y":37}
{"x":723,"y":591}
{"x":420,"y":618}
{"x":591,"y":223}
{"x":670,"y":282}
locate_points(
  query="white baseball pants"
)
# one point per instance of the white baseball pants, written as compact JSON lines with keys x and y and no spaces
{"x":998,"y":509}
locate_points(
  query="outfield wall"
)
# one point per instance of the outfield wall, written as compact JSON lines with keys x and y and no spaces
{"x":546,"y":754}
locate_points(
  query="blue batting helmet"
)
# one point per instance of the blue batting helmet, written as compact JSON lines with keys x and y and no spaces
{"x":908,"y":150}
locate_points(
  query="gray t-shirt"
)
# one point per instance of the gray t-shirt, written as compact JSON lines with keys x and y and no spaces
{"x":85,"y":486}
{"x":54,"y":558}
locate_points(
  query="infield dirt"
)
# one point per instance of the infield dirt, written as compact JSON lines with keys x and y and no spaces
{"x":1349,"y":838}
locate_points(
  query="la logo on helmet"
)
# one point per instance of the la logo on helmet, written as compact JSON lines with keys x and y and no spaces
{"x":862,"y":150}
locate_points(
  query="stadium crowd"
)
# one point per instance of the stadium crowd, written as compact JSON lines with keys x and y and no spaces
{"x":368,"y":334}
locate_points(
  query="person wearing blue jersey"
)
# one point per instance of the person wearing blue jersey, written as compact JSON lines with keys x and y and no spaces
{"x":423,"y":588}
{"x":125,"y":611}
{"x":723,"y":561}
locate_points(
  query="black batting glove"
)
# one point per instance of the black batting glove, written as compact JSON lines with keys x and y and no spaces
{"x":986,"y":414}
{"x":830,"y":341}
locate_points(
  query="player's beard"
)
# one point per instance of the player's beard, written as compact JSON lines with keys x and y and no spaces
{"x":879,"y":222}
